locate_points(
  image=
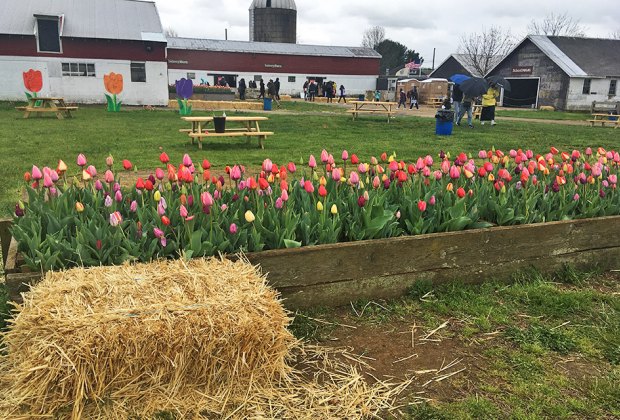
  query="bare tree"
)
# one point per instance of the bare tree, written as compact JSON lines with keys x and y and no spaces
{"x":483,"y":51}
{"x":373,"y":37}
{"x":615,"y":35}
{"x":557,"y":25}
{"x":170,"y":33}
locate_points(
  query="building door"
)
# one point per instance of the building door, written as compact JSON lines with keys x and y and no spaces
{"x":225,"y":79}
{"x":524,"y":93}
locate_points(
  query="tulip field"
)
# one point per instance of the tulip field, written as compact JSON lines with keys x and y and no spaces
{"x":105,"y":188}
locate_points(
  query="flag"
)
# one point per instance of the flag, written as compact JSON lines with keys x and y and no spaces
{"x":414,"y":65}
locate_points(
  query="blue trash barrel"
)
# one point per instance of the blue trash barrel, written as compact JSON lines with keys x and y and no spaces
{"x":267,"y":104}
{"x":443,"y":122}
{"x":361,"y":97}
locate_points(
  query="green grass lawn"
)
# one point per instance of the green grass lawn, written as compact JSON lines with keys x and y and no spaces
{"x":139,"y":134}
{"x":541,"y":348}
{"x":544,"y":115}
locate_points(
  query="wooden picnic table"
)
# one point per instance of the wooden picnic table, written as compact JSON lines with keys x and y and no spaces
{"x":605,"y":119}
{"x":372,"y":107}
{"x":436,"y":102}
{"x":249,"y":127}
{"x":41,"y":105}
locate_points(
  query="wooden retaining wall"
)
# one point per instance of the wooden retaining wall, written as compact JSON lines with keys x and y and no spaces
{"x":334,"y":275}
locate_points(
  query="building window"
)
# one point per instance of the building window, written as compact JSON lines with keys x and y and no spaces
{"x":291,"y":79}
{"x":586,"y":86}
{"x":78,"y":69}
{"x":191,"y":76}
{"x":612,"y":87}
{"x":138,"y":72}
{"x":48,"y":34}
{"x":257,"y":77}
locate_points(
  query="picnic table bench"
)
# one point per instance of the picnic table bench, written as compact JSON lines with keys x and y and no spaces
{"x":435,"y":102}
{"x":372,"y":107}
{"x":605,"y":119}
{"x":250,"y":128}
{"x":41,"y":105}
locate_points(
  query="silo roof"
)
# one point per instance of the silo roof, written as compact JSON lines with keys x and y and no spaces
{"x":275,"y":4}
{"x":270,"y":48}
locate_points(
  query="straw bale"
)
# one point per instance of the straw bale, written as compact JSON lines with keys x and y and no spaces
{"x":198,"y":339}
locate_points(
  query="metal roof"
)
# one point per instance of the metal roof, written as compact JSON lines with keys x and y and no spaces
{"x":270,"y":48}
{"x":274,"y":4}
{"x":557,"y":56}
{"x":102,"y":19}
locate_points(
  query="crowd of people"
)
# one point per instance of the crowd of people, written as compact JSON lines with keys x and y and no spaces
{"x":328,"y":89}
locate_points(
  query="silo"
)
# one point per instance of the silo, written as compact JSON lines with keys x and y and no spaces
{"x":273,"y":21}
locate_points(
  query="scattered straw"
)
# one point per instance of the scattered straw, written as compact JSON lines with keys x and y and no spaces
{"x":198,"y":339}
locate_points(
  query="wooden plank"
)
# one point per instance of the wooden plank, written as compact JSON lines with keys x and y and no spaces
{"x":420,"y":253}
{"x":5,"y":237}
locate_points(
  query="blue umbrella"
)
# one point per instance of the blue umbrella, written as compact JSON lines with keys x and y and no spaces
{"x":459,"y":78}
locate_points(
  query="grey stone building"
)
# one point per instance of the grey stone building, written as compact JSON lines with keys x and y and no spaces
{"x":273,"y":21}
{"x":567,"y":73}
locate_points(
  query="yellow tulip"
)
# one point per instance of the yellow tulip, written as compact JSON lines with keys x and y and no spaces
{"x":323,"y":181}
{"x":157,"y":196}
{"x":249,"y":216}
{"x":319,"y":206}
{"x":334,"y":209}
{"x":79,"y":207}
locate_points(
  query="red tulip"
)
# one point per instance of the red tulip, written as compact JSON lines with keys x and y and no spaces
{"x":308,"y":187}
{"x":164,"y":158}
{"x":291,"y":167}
{"x":165,"y":220}
{"x":354,"y":159}
{"x":460,"y":192}
{"x":361,"y":201}
{"x":127,"y":165}
{"x":33,"y":80}
{"x":422,"y":206}
{"x":383,"y":156}
{"x":148,"y":185}
{"x":554,"y":151}
{"x":263,"y":183}
{"x":206,"y":164}
{"x":27,"y":176}
{"x":322,"y":191}
{"x":140,"y":184}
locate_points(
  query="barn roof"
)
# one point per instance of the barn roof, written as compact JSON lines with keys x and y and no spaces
{"x":270,"y":48}
{"x":578,"y":57}
{"x":102,"y":19}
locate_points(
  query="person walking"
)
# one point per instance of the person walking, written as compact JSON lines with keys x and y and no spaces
{"x":312,"y":87}
{"x":457,"y":98}
{"x":262,"y":89}
{"x":377,"y":95}
{"x":489,"y":101}
{"x":276,"y":86}
{"x":413,"y":98}
{"x":329,"y":92}
{"x":242,"y":88}
{"x":402,"y":99}
{"x":271,"y":91}
{"x":306,"y":83}
{"x":342,"y":92}
{"x":466,"y":106}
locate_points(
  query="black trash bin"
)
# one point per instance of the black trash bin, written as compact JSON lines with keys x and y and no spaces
{"x":219,"y":123}
{"x":443,"y":122}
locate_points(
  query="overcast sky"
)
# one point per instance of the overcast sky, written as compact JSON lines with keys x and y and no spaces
{"x":419,"y":25}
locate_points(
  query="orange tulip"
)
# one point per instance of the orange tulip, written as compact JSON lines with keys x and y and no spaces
{"x":113,"y":83}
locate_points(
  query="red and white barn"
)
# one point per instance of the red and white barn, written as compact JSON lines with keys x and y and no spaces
{"x":74,"y":43}
{"x":205,"y":60}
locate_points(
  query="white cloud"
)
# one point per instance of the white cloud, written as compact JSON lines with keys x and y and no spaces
{"x":419,"y":25}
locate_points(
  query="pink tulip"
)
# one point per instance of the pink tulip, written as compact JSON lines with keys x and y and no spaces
{"x":115,"y":218}
{"x":183,"y":211}
{"x":187,"y":161}
{"x":336,"y":174}
{"x":393,"y":166}
{"x":309,"y":187}
{"x":438,"y":175}
{"x":108,"y":176}
{"x":432,"y":201}
{"x":223,"y":207}
{"x":116,"y":187}
{"x":284,"y":195}
{"x":235,"y":173}
{"x":354,"y":178}
{"x":133,"y":206}
{"x":36,"y":173}
{"x":267,"y":165}
{"x":324,"y":156}
{"x":291,"y":167}
{"x":98,"y":185}
{"x":576,"y":197}
{"x":361,"y":168}
{"x":233,"y":228}
{"x":47,"y":181}
{"x":54,"y":176}
{"x":513,"y":153}
{"x":427,"y":171}
{"x":597,"y":170}
{"x":206,"y":198}
{"x":118,"y":196}
{"x":91,"y":170}
{"x":312,"y":162}
{"x":330,"y":159}
{"x":345,"y":155}
{"x":445,"y":166}
{"x":376,"y":182}
{"x":419,"y":165}
{"x":529,"y":154}
{"x":422,"y":206}
{"x":216,"y":195}
{"x":81,"y":160}
{"x":613,"y":179}
{"x":159,"y":173}
{"x":482,"y":154}
{"x":109,"y":161}
{"x":279,"y":203}
{"x":454,"y":172}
